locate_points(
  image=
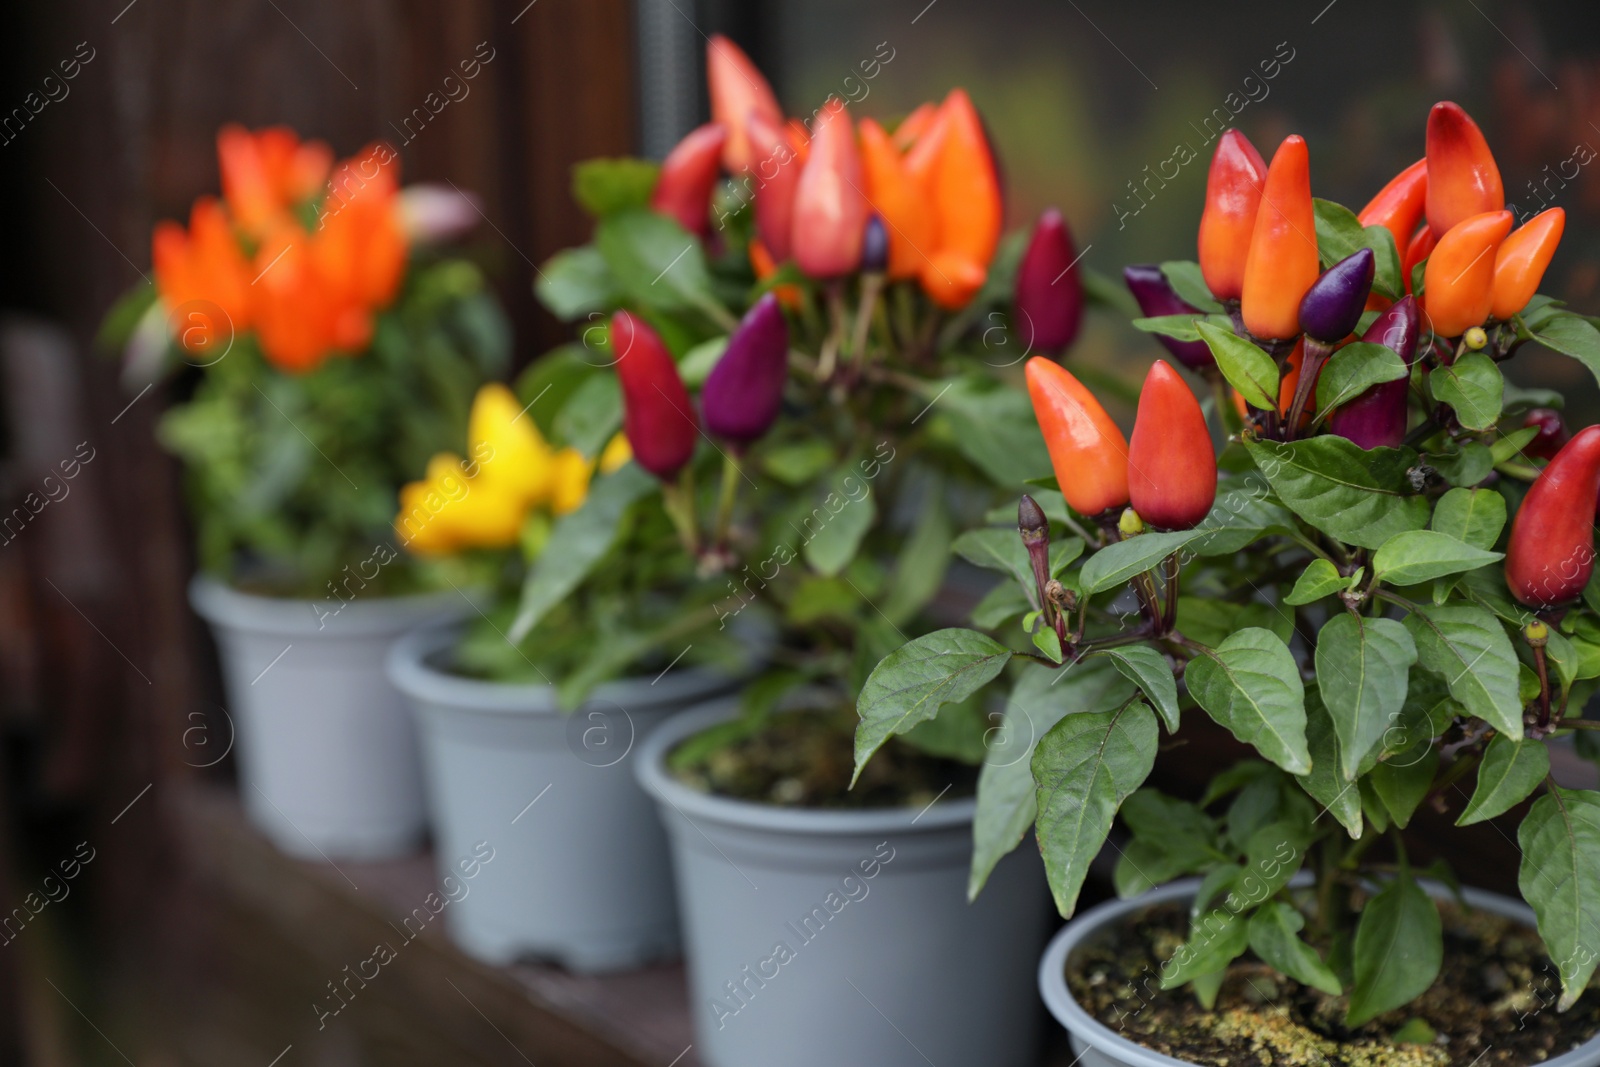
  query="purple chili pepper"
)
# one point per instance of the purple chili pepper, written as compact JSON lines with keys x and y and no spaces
{"x":741,"y":397}
{"x":1156,"y":298}
{"x":1377,"y":418}
{"x":1334,"y":303}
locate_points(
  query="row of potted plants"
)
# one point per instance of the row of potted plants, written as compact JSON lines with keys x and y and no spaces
{"x":740,"y":491}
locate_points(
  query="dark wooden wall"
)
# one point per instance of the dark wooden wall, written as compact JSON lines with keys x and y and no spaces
{"x":105,"y":676}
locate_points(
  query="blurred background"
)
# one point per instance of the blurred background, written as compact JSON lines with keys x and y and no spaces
{"x":183,"y":941}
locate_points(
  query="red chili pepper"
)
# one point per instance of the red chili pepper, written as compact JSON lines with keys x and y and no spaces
{"x":1048,"y":297}
{"x":1463,"y":179}
{"x":1172,"y":470}
{"x":1520,"y":263}
{"x":657,"y":416}
{"x":737,"y":90}
{"x":830,"y":204}
{"x":1551,"y":552}
{"x":775,"y":173}
{"x":688,"y":175}
{"x":1458,"y":282}
{"x":907,"y":214}
{"x":1233,"y":195}
{"x":1087,"y":450}
{"x":1420,"y":248}
{"x":1283,"y":247}
{"x":1552,"y":434}
{"x":1398,"y":205}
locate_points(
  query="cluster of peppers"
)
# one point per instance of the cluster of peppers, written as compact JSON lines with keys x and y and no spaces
{"x":1467,"y":274}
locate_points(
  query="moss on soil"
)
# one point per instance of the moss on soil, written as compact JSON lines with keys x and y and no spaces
{"x":1493,"y":1005}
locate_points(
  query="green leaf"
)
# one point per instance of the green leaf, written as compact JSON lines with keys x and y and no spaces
{"x":1465,"y":645}
{"x":577,"y":542}
{"x":1005,"y":601}
{"x":1386,"y":279}
{"x":993,"y":427}
{"x":1039,"y":700}
{"x":1141,"y":866}
{"x":1150,"y":671}
{"x":1117,"y":563}
{"x":576,"y":282}
{"x":1512,"y":444}
{"x":1475,"y":516}
{"x":607,"y":186}
{"x":1473,"y":386}
{"x":1216,"y":939}
{"x":1572,"y":335}
{"x":656,"y":262}
{"x":1325,"y":784}
{"x":1274,"y":930}
{"x":1560,"y":880}
{"x":699,"y":361}
{"x":1399,"y":946}
{"x":1251,"y":685}
{"x":1180,"y":327}
{"x":1360,"y":497}
{"x":798,"y":463}
{"x":1247,"y":368}
{"x":1354,"y":369}
{"x":1189,"y":283}
{"x":1402,"y":781}
{"x":1339,"y":232}
{"x":1047,"y":642}
{"x":910,"y":684}
{"x":997,"y":550}
{"x":1420,"y":555}
{"x":833,"y":534}
{"x":1362,"y":666}
{"x":1510,"y":771}
{"x":1320,"y":578}
{"x":1084,"y":768}
{"x":591,"y":415}
{"x":1240,"y":517}
{"x":1464,"y":464}
{"x":920,"y":565}
{"x":1176,"y":827}
{"x":1103,"y":292}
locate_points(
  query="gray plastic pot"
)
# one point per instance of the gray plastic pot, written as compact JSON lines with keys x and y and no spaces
{"x":327,"y":753}
{"x":845,"y":937}
{"x":581,"y":872}
{"x":1100,"y":1046}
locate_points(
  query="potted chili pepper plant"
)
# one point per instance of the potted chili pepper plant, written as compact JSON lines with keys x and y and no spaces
{"x":334,"y":350}
{"x":1381,"y":585}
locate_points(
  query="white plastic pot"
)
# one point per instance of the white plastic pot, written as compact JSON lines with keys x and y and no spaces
{"x":581,"y":873}
{"x":326,"y":751}
{"x":1098,"y":1045}
{"x":845,"y":937}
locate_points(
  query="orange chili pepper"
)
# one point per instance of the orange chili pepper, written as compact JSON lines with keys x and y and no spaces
{"x":1520,"y":263}
{"x":1398,"y":205}
{"x":1458,"y":286}
{"x":1172,"y":469}
{"x":1420,"y":248}
{"x":1233,"y":195}
{"x":1087,"y":450}
{"x":1550,"y":554}
{"x":1463,"y":179}
{"x":954,"y":159}
{"x":1283,"y":248}
{"x":267,"y":173}
{"x":915,"y":125}
{"x":737,"y":89}
{"x":903,"y":207}
{"x":203,"y":264}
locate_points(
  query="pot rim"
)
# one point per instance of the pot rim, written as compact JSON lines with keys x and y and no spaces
{"x":408,"y":669}
{"x":650,"y":769}
{"x":1053,"y":988}
{"x":222,"y":605}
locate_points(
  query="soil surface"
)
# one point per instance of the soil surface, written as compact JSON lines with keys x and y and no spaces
{"x":1493,"y":1005}
{"x":804,"y":759}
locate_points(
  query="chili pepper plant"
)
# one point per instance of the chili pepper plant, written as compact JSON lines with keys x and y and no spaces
{"x":787,"y":322}
{"x":1381,"y":584}
{"x":327,"y":348}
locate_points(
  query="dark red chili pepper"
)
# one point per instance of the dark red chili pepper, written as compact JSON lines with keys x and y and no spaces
{"x":1552,"y":433}
{"x":1550,"y":556}
{"x":1048,"y":297}
{"x":1377,"y":418}
{"x":657,"y":416}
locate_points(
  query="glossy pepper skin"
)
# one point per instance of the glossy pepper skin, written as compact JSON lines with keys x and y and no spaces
{"x":737,"y":89}
{"x":1520,"y":262}
{"x":1421,"y":247}
{"x":656,"y":414}
{"x":744,"y":391}
{"x":1172,"y":471}
{"x":775,"y":173}
{"x":688,"y":175}
{"x":1463,"y":179}
{"x":901,"y":202}
{"x":1399,"y":205}
{"x":1087,"y":450}
{"x":1551,"y":552}
{"x":1283,"y":247}
{"x":1047,"y":303}
{"x":1333,"y":305}
{"x":1233,"y":195}
{"x":1156,"y":298}
{"x":1377,"y":418}
{"x":1552,"y":436}
{"x":830,"y":204}
{"x":1458,"y":282}
{"x":964,"y":184}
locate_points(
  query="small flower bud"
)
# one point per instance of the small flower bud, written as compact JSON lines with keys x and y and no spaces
{"x":1130,"y":525}
{"x":1475,"y":338}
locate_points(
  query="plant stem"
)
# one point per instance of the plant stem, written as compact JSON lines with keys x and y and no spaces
{"x":679,"y":503}
{"x":725,"y":498}
{"x":871,"y":290}
{"x":1169,"y":617}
